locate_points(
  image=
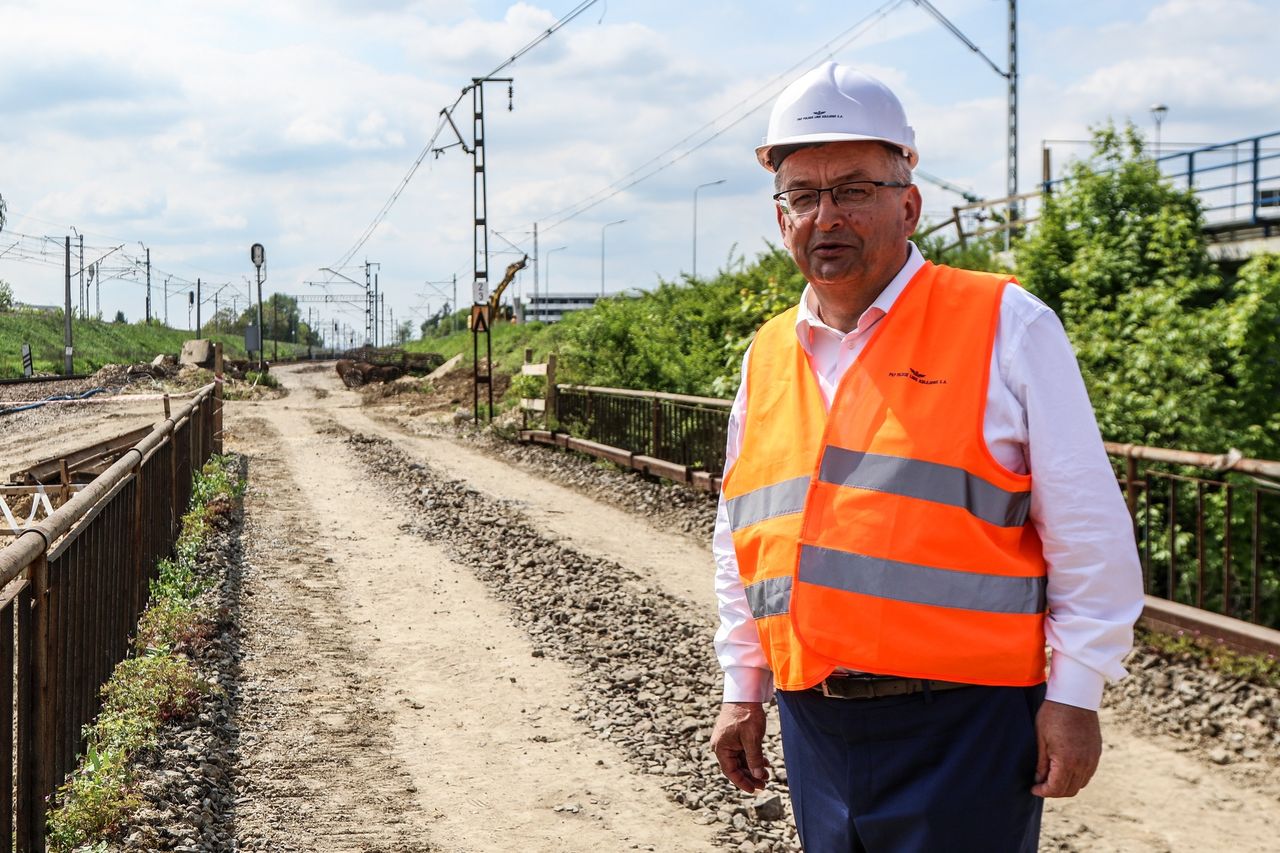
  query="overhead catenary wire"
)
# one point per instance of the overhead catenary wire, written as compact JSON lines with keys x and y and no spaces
{"x":770,"y":91}
{"x":444,"y":121}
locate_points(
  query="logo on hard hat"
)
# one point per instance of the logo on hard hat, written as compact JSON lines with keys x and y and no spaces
{"x":818,"y":114}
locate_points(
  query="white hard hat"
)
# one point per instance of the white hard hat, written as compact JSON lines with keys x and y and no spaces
{"x":835,"y":103}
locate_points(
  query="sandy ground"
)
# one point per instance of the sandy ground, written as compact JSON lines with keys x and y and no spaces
{"x":480,"y":727}
{"x":404,"y":711}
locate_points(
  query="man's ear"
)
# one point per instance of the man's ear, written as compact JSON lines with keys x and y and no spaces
{"x":913,"y":205}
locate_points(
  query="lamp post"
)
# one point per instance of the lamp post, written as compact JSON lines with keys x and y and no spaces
{"x":546,"y":276}
{"x":1158,"y":112}
{"x":602,"y":230}
{"x":695,"y":221}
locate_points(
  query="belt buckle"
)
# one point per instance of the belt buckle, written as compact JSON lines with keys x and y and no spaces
{"x":826,"y":691}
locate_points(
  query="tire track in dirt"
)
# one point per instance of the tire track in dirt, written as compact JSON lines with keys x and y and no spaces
{"x":482,"y":729}
{"x":318,"y":769}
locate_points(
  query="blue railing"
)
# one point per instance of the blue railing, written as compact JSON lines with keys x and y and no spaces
{"x":1238,"y":182}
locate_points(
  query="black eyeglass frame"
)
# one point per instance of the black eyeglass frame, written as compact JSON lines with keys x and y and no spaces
{"x":786,"y":208}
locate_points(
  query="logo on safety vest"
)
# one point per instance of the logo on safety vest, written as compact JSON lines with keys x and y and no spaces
{"x":916,"y":376}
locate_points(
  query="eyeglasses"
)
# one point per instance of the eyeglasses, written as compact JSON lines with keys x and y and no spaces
{"x":853,"y":195}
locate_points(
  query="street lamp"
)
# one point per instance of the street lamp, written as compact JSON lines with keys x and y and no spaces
{"x":602,"y":230}
{"x":695,"y":221}
{"x":546,"y":275}
{"x":1158,"y":112}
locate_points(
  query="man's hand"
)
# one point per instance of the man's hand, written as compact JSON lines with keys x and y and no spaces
{"x":1070,"y":744}
{"x":737,"y":740}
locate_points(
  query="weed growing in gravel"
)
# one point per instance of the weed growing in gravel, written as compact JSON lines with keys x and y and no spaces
{"x":158,"y":683}
{"x":1258,"y":669}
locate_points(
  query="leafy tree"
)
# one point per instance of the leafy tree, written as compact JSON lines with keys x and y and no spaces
{"x":1120,"y":255}
{"x":120,"y":318}
{"x":1251,"y":346}
{"x":6,"y":296}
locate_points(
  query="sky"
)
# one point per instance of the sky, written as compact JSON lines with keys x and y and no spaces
{"x":197,"y":129}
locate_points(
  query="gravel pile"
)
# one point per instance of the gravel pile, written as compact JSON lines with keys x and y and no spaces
{"x":188,"y":781}
{"x":1228,"y":720}
{"x":649,"y":679}
{"x":674,"y":506}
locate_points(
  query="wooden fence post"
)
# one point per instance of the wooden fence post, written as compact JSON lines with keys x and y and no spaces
{"x":217,"y":398}
{"x":552,"y":413}
{"x":524,"y":413}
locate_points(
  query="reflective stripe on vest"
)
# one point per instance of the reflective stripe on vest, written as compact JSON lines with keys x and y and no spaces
{"x":769,"y":597}
{"x":785,"y":498}
{"x":917,"y":584}
{"x":928,"y":481}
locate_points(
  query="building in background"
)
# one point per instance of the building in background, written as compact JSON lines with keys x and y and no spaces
{"x":551,"y":307}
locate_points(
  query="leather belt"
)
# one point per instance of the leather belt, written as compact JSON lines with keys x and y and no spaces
{"x":844,"y":687}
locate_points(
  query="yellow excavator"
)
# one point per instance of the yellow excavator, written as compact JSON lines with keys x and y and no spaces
{"x":496,"y":297}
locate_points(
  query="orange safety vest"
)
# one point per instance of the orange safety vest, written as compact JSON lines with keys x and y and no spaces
{"x":883,"y":536}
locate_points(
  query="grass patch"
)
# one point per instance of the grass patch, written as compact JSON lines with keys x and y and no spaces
{"x":156,"y":684}
{"x":1190,"y":647}
{"x":98,"y":342}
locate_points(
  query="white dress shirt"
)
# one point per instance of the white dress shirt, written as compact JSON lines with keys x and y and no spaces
{"x":1038,"y":420}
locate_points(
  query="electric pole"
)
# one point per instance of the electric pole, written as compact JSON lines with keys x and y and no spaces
{"x":84,"y":300}
{"x":198,"y":307}
{"x":368,"y":303}
{"x":148,"y":287}
{"x":480,"y":235}
{"x":66,"y":318}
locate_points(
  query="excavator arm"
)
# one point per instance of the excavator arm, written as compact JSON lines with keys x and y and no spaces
{"x":507,"y":278}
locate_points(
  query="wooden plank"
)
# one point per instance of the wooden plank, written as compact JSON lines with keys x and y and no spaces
{"x":661,"y":468}
{"x":701,"y":480}
{"x":540,"y":436}
{"x":1171,"y":617}
{"x":613,"y":454}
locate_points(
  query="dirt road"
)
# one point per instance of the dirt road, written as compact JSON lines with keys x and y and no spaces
{"x":402,"y":705}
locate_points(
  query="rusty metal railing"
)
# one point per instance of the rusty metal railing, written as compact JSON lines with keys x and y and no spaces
{"x":1208,"y":526}
{"x":677,"y":428}
{"x":71,"y":590}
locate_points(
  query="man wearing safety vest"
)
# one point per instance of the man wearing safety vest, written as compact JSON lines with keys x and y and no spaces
{"x":916,"y":503}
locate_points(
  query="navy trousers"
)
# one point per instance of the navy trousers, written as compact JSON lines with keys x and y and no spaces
{"x":946,"y":772}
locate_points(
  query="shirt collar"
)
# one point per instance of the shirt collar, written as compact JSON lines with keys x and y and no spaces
{"x":808,"y":321}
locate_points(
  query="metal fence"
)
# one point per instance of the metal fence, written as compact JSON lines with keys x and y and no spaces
{"x":1237,"y":182}
{"x":71,"y":591}
{"x":1208,"y":527}
{"x":678,"y":428}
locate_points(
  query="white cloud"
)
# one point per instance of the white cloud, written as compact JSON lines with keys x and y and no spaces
{"x":201,"y":128}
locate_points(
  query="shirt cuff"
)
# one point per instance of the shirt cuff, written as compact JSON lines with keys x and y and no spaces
{"x":1073,"y":683}
{"x":747,"y":684}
